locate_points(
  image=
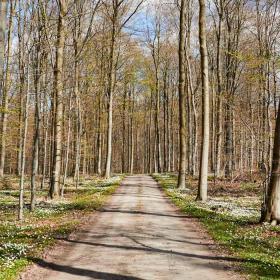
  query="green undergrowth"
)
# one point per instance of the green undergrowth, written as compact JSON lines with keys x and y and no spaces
{"x":255,"y":247}
{"x":52,"y":220}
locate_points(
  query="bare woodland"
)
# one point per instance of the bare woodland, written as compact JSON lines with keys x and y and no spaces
{"x":90,"y":87}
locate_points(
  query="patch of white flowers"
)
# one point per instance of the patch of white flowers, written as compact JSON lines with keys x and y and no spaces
{"x":45,"y":212}
{"x":9,"y":252}
{"x":232,"y":208}
{"x":237,"y":207}
{"x":109,"y":182}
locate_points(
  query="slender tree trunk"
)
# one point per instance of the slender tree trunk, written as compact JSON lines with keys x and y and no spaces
{"x":111,"y":85}
{"x":3,"y":12}
{"x":219,"y":94}
{"x":150,"y":135}
{"x":99,"y":138}
{"x":67,"y":147}
{"x":203,"y":174}
{"x":132,"y":144}
{"x":158,"y":134}
{"x":6,"y":84}
{"x":21,"y":90}
{"x":182,"y":99}
{"x":35,"y":152}
{"x":58,"y":96}
{"x":123,"y":128}
{"x":23,"y":148}
{"x":45,"y":150}
{"x":79,"y":118}
{"x":78,"y":143}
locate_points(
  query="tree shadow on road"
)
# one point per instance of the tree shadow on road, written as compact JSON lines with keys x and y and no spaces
{"x":157,"y":250}
{"x":81,"y":271}
{"x":110,"y":210}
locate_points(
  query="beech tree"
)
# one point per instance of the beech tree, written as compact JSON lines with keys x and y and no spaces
{"x":271,"y":210}
{"x":182,"y":97}
{"x":5,"y":89}
{"x":203,"y":174}
{"x":57,"y":100}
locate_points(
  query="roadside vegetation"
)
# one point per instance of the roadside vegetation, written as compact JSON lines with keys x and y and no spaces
{"x":52,"y":219}
{"x":231,"y":216}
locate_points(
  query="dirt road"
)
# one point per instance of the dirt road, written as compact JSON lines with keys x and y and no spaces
{"x":138,"y":235}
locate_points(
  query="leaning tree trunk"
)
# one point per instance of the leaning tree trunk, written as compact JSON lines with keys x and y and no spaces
{"x":58,"y":88}
{"x":202,"y":191}
{"x":182,"y":99}
{"x":271,"y":211}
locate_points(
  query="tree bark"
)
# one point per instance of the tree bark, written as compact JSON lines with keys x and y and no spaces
{"x":111,"y":85}
{"x":6,"y":84}
{"x":271,"y":211}
{"x":182,"y":99}
{"x":23,"y":148}
{"x":203,"y":174}
{"x":35,"y":152}
{"x":58,"y":105}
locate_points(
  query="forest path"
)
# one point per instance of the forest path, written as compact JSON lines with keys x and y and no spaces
{"x":138,"y":235}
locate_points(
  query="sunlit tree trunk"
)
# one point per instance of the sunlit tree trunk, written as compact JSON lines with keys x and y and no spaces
{"x":23,"y":148}
{"x":272,"y":204}
{"x":182,"y":99}
{"x":58,"y":105}
{"x":35,"y":152}
{"x":131,"y":128}
{"x":219,"y":112}
{"x":203,"y":173}
{"x":67,"y":147}
{"x":5,"y":89}
{"x":110,"y":92}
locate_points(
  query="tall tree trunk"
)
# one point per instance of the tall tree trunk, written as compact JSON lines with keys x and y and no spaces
{"x":132,"y":140}
{"x":150,"y":135}
{"x":6,"y":84}
{"x":67,"y":147}
{"x":99,"y":138}
{"x":111,"y":85}
{"x":58,"y":105}
{"x":271,"y":211}
{"x":35,"y":152}
{"x":182,"y":99}
{"x":78,"y":143}
{"x":203,"y":174}
{"x":21,"y":89}
{"x":3,"y":12}
{"x":219,"y":127}
{"x":157,"y":127}
{"x":23,"y":148}
{"x":123,"y":128}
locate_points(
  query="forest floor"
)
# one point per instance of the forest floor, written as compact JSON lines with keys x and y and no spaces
{"x":231,"y":217}
{"x":21,"y":242}
{"x":138,"y":235}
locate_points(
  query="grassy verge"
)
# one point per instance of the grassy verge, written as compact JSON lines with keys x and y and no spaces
{"x":20,"y":242}
{"x":256,"y":246}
